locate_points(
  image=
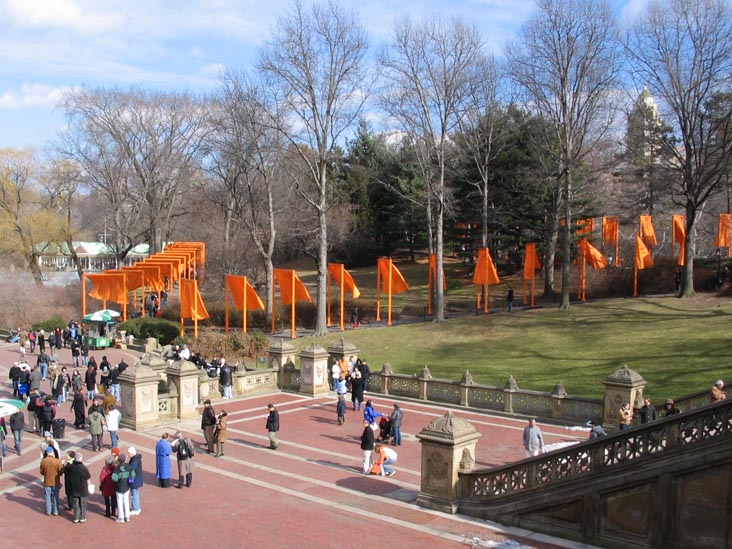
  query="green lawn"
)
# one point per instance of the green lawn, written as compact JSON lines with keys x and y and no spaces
{"x":679,"y":346}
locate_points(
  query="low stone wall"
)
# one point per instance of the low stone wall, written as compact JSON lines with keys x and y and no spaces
{"x":509,"y":399}
{"x":245,"y":383}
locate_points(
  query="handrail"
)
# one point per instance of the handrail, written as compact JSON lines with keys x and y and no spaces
{"x":597,"y":456}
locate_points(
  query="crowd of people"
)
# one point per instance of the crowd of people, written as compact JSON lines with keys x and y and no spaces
{"x":121,"y":477}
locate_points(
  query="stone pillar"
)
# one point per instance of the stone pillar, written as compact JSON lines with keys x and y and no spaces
{"x":558,"y":394}
{"x":386,"y":373}
{"x":184,"y":375}
{"x":448,"y":447}
{"x":465,"y":383}
{"x":314,"y":370}
{"x":139,"y":396}
{"x":623,"y":385}
{"x":509,"y":392}
{"x":424,"y":378}
{"x":280,"y":352}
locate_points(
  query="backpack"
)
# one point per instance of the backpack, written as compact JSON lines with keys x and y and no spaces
{"x":32,"y":404}
{"x":183,"y":449}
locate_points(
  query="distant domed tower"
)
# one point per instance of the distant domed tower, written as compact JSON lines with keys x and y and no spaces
{"x":644,"y":127}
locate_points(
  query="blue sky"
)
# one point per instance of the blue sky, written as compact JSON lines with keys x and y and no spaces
{"x":48,"y":47}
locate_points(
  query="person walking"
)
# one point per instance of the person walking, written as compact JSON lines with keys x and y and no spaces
{"x":396,"y":425}
{"x":208,"y":424}
{"x":163,"y":468}
{"x":367,"y":446}
{"x":136,"y":467}
{"x":273,"y":425}
{"x":51,"y":470}
{"x":17,"y":425}
{"x":77,"y":486}
{"x":509,"y":299}
{"x":533,"y":439}
{"x":183,"y":449}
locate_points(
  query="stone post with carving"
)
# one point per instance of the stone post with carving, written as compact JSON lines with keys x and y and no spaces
{"x":448,"y":447}
{"x":139,"y":396}
{"x":184,"y":375}
{"x":341,"y":349}
{"x":280,"y":352}
{"x":623,"y":385}
{"x":559,"y":393}
{"x":509,"y":392}
{"x":314,"y":370}
{"x":465,"y":383}
{"x":424,"y":378}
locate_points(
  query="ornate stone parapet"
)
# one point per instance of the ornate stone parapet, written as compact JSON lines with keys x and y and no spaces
{"x":314,"y":371}
{"x":184,"y":376}
{"x":139,"y":396}
{"x":623,"y":385}
{"x":448,"y":447}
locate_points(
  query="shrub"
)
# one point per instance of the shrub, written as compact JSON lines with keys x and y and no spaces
{"x":163,"y":330}
{"x":49,"y":325}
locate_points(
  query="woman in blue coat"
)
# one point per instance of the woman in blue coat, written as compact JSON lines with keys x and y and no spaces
{"x":163,"y":467}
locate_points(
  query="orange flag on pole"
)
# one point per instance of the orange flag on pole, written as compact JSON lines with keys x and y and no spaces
{"x":531,"y":264}
{"x":643,"y":257}
{"x":485,"y":274}
{"x":245,"y":299}
{"x":592,"y":255}
{"x":678,"y":235}
{"x":191,"y":304}
{"x":647,"y":233}
{"x":724,"y":231}
{"x":610,"y":230}
{"x":291,"y":290}
{"x":643,"y":260}
{"x":345,"y":283}
{"x":390,"y":280}
{"x":588,"y":254}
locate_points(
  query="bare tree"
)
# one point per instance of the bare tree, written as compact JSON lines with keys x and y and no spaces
{"x":682,"y":50}
{"x":480,"y":133}
{"x":314,"y":64}
{"x":137,"y":149}
{"x":566,"y":63}
{"x":243,"y":154}
{"x":61,"y":183}
{"x":28,"y":224}
{"x":431,"y":70}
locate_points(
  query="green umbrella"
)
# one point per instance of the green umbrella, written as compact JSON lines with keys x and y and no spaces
{"x":9,"y":406}
{"x":105,"y":315}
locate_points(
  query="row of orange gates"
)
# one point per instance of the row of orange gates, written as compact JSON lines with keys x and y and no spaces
{"x":184,"y":262}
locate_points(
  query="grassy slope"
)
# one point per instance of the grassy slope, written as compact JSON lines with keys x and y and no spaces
{"x":677,"y":345}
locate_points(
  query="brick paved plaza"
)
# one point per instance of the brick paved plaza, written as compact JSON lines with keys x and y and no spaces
{"x":308,"y":493}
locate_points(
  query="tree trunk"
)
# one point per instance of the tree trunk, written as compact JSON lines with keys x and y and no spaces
{"x":552,"y":232}
{"x":439,"y":313}
{"x":687,"y":275}
{"x":567,"y":234}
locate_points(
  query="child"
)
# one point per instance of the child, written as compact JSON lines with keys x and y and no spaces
{"x":341,"y":410}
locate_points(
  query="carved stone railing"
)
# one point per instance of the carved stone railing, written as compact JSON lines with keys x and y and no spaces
{"x":509,"y":399}
{"x":244,"y":382}
{"x":588,"y":459}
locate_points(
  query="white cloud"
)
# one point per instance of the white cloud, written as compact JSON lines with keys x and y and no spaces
{"x":33,"y":95}
{"x":57,"y":14}
{"x":212,"y":69}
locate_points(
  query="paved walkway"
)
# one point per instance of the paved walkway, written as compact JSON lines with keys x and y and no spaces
{"x":308,"y":493}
